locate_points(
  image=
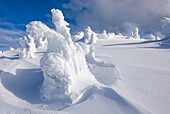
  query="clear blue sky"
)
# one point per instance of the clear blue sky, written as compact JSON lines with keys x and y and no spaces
{"x":21,"y":12}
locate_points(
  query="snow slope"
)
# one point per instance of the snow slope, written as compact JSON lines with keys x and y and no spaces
{"x":139,"y":86}
{"x":144,"y":70}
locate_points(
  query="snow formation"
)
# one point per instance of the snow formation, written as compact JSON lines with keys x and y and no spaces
{"x":103,"y":35}
{"x":64,"y":65}
{"x":61,"y":26}
{"x":152,"y":37}
{"x":78,"y":36}
{"x":134,"y":34}
{"x":28,"y":48}
{"x":38,"y":35}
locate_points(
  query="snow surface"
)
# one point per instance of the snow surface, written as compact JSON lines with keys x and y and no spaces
{"x":140,"y":85}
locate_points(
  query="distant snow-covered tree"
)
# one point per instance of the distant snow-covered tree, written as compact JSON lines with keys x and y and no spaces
{"x":88,"y":35}
{"x":78,"y":36}
{"x":165,"y":22}
{"x":111,"y":35}
{"x":134,"y":34}
{"x":38,"y":35}
{"x":23,"y":52}
{"x":103,"y":35}
{"x":11,"y":48}
{"x":31,"y":47}
{"x":27,"y":47}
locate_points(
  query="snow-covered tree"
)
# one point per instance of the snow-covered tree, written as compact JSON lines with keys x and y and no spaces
{"x":11,"y":48}
{"x":88,"y":35}
{"x":23,"y":52}
{"x":78,"y":36}
{"x":151,"y":37}
{"x":111,"y":35}
{"x":134,"y":34}
{"x":38,"y":35}
{"x":64,"y":65}
{"x":27,"y":47}
{"x":31,"y":47}
{"x":61,"y":26}
{"x":165,"y":22}
{"x":103,"y":35}
{"x":94,"y":38}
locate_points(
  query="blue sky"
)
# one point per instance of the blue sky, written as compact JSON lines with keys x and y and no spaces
{"x":15,"y":14}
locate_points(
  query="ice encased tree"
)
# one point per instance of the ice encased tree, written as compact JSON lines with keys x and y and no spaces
{"x":78,"y":36}
{"x":134,"y":34}
{"x":31,"y":47}
{"x":88,"y":35}
{"x":103,"y":35}
{"x":64,"y":67}
{"x":27,"y":47}
{"x":61,"y":26}
{"x":23,"y":43}
{"x":38,"y":35}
